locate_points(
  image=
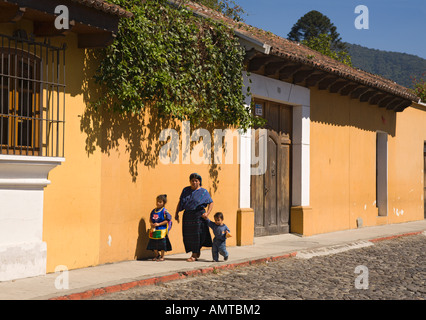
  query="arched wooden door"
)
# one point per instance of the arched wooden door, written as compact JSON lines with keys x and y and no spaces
{"x":270,"y":193}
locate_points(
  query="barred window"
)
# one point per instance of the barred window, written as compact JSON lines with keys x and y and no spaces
{"x":32,"y":98}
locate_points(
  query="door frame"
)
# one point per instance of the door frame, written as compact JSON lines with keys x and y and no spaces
{"x":299,"y":98}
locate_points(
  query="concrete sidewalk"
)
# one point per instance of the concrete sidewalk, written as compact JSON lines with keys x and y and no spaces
{"x":92,"y":281}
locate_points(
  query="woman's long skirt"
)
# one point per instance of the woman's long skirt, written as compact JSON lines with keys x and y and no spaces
{"x":195,"y":231}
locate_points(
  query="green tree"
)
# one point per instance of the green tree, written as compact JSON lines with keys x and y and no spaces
{"x":182,"y":66}
{"x":312,"y":25}
{"x":323,"y":44}
{"x":420,"y":87}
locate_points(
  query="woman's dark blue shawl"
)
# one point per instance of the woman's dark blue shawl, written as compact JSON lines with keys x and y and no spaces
{"x":194,"y":199}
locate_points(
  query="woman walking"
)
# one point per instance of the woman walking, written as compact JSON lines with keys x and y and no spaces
{"x":194,"y":199}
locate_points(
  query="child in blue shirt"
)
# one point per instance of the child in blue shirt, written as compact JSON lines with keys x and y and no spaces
{"x":221,"y":232}
{"x":160,"y":219}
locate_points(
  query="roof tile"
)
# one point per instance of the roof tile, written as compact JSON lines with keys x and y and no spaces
{"x":106,"y":7}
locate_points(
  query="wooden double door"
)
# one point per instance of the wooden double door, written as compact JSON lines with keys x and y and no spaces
{"x":270,"y":192}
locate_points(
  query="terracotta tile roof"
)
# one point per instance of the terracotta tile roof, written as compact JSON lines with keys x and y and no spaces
{"x":106,"y":7}
{"x":299,"y":53}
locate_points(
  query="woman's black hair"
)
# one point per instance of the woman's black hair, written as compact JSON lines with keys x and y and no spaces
{"x":195,"y":176}
{"x":162,"y":197}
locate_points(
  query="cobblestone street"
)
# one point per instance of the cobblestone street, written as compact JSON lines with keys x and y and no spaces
{"x":390,"y":269}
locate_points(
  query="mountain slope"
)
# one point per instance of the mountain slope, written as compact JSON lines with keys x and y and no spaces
{"x":396,"y":66}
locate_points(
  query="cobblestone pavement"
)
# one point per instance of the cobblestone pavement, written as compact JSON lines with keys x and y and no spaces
{"x":391,"y":269}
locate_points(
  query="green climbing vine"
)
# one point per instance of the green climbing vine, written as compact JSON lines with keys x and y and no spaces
{"x":184,"y":66}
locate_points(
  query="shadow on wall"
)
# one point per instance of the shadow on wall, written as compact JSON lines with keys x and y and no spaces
{"x":140,"y":133}
{"x":141,"y":252}
{"x":340,"y":110}
{"x":106,"y":129}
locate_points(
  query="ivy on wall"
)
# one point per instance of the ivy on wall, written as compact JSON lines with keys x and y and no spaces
{"x":184,"y":66}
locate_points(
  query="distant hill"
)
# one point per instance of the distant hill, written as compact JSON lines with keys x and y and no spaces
{"x":396,"y":66}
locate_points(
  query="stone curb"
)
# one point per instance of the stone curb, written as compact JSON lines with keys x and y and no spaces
{"x":171,"y":277}
{"x":202,"y":271}
{"x":398,"y":235}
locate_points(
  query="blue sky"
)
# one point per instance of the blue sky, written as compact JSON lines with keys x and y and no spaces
{"x":394,"y":25}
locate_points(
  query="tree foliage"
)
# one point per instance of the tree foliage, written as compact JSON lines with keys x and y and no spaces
{"x":420,"y":87}
{"x":227,"y":7}
{"x":323,"y":44}
{"x":316,"y":31}
{"x":186,"y":67}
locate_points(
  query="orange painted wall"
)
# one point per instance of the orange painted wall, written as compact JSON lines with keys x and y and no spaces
{"x":96,"y":209}
{"x":72,"y":201}
{"x":343,"y":162}
{"x":406,"y":165}
{"x":126,"y":205}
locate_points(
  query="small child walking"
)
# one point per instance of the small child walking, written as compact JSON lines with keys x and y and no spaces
{"x":160,"y":219}
{"x":221,"y":232}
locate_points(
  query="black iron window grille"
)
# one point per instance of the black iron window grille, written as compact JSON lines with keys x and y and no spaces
{"x":32,"y":97}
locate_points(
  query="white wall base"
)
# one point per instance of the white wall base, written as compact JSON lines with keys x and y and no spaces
{"x":22,"y":260}
{"x":22,"y":183}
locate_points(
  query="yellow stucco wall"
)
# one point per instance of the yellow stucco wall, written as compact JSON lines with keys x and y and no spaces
{"x":72,"y":203}
{"x":96,"y":209}
{"x":343,"y":163}
{"x":406,"y":165}
{"x":126,"y":205}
